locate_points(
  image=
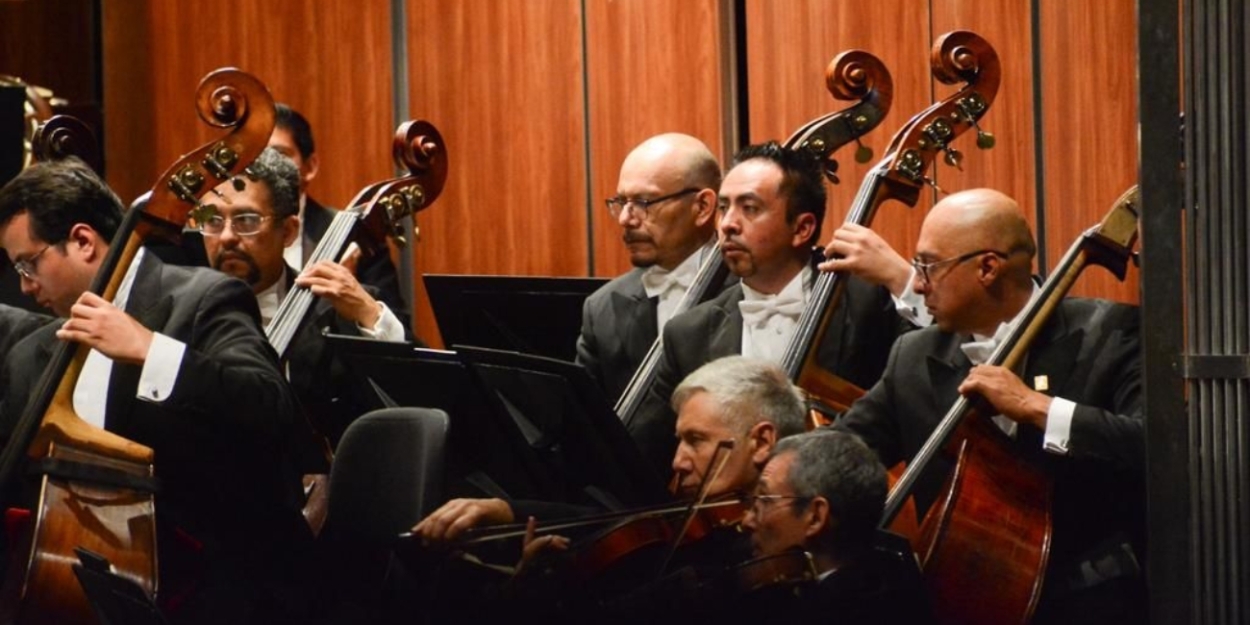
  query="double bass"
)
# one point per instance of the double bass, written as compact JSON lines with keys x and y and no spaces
{"x":957,"y":57}
{"x":96,"y":487}
{"x":960,"y":553}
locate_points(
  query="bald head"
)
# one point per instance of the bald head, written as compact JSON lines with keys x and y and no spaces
{"x":676,"y":158}
{"x":970,"y":292}
{"x":674,"y":166}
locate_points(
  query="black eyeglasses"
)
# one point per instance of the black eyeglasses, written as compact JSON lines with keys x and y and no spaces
{"x":758,"y":503}
{"x":924,"y":269}
{"x":243,"y":224}
{"x":641,"y":206}
{"x":26,"y":268}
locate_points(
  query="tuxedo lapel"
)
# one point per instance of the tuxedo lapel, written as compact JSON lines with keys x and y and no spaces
{"x":1053,"y":355}
{"x":947,"y":367}
{"x":637,"y":314}
{"x":726,"y":339}
{"x":150,"y":307}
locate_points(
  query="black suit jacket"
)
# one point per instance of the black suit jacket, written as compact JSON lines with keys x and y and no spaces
{"x":1089,"y":352}
{"x":855,"y":347}
{"x":375,"y":270}
{"x":618,"y":328}
{"x":221,"y":437}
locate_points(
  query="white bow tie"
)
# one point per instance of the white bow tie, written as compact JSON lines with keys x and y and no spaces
{"x":658,"y":282}
{"x":757,"y":312}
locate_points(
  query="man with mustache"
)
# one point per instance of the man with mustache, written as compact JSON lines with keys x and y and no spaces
{"x":771,"y":205}
{"x":246,"y":240}
{"x":665,"y":204}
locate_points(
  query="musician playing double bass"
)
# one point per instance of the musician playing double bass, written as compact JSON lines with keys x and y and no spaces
{"x":180,"y":364}
{"x":665,"y":204}
{"x":1076,"y":408}
{"x":771,"y":206}
{"x":822,"y":493}
{"x":246,"y":240}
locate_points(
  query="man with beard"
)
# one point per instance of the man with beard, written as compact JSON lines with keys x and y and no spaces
{"x":665,"y":205}
{"x":246,"y":239}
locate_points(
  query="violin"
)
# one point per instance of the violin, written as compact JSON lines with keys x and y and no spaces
{"x":97,"y":488}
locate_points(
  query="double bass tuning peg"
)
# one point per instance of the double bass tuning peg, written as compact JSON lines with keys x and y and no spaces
{"x":863,"y":153}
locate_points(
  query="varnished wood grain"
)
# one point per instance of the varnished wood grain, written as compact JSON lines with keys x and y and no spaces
{"x":1089,"y":118}
{"x":503,"y":82}
{"x":330,"y":60}
{"x":653,"y":66}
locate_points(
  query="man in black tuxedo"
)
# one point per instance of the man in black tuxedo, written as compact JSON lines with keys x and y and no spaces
{"x":665,"y":204}
{"x":179,"y":363}
{"x":293,"y":138}
{"x":771,"y":206}
{"x":821,"y":494}
{"x":246,"y":239}
{"x":1076,"y":411}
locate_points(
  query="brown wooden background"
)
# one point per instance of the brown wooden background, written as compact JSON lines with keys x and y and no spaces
{"x":540,"y":101}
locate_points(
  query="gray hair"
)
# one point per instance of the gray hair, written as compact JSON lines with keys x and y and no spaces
{"x":280,"y":175}
{"x":841,"y":468}
{"x":747,"y":391}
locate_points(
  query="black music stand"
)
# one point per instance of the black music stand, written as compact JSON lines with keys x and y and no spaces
{"x":488,"y":454}
{"x":572,"y":426}
{"x":517,"y":313}
{"x":115,"y":600}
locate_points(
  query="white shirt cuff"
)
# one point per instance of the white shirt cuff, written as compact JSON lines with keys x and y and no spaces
{"x":388,"y":328}
{"x":1058,"y":425}
{"x":160,"y":370}
{"x":910,"y":305}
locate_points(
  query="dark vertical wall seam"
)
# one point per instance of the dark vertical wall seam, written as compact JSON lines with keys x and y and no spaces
{"x":399,"y":114}
{"x":586,"y":143}
{"x":1039,"y":138}
{"x":743,"y":90}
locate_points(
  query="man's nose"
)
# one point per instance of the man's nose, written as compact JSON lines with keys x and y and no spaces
{"x":29,"y":287}
{"x":626,"y":218}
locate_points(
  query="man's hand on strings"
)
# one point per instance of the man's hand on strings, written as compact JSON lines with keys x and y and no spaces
{"x":100,"y":325}
{"x":1008,"y":394}
{"x":453,"y":518}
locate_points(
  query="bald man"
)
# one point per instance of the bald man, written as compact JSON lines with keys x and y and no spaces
{"x":665,"y":204}
{"x":1076,"y":412}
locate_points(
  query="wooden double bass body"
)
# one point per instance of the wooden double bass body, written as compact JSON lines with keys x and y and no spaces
{"x":96,"y":488}
{"x":984,"y":545}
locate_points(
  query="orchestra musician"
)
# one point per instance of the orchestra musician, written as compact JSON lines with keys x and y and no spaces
{"x":246,"y":240}
{"x":1076,"y":408}
{"x":292,"y":136}
{"x":178,"y":363}
{"x":747,"y":401}
{"x":822,"y":493}
{"x":771,"y":205}
{"x":665,"y":204}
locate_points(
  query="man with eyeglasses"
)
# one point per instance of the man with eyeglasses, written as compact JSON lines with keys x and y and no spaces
{"x":818,"y":499}
{"x":1075,"y":409}
{"x":665,"y":205}
{"x":246,"y":239}
{"x":771,"y":205}
{"x":178,"y":362}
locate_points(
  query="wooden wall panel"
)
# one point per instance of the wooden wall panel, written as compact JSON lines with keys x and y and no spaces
{"x":330,"y":60}
{"x":1009,"y":166}
{"x":1089,"y":108}
{"x":50,"y":44}
{"x":788,"y":46}
{"x":653,"y":66}
{"x":503,"y":82}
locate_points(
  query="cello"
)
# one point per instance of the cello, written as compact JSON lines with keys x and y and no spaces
{"x":852,"y":75}
{"x":958,"y":56}
{"x":958,"y":550}
{"x":97,"y":488}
